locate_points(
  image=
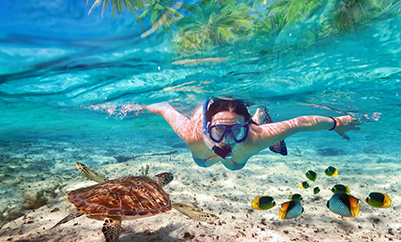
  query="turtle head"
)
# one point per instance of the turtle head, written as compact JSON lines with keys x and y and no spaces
{"x":163,"y":178}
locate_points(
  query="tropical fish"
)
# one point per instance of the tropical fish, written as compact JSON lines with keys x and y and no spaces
{"x":340,"y":188}
{"x":331,"y":171}
{"x":304,"y":185}
{"x":263,"y":203}
{"x":290,"y":209}
{"x":316,"y":190}
{"x":344,"y":204}
{"x":296,"y":197}
{"x":311,"y":175}
{"x":378,"y":200}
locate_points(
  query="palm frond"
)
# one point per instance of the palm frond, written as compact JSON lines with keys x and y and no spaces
{"x":166,"y":19}
{"x":94,"y":5}
{"x":145,"y":14}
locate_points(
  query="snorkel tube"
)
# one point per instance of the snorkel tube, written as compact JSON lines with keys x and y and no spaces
{"x":225,"y":152}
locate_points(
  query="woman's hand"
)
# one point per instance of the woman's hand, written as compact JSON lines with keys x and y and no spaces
{"x":347,"y":123}
{"x":156,"y":108}
{"x":140,"y":110}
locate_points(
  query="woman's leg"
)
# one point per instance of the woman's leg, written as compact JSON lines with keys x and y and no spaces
{"x":262,"y":116}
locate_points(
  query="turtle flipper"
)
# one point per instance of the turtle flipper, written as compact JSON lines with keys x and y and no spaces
{"x":195,"y":213}
{"x":111,"y":229}
{"x":89,"y":173}
{"x":69,"y":217}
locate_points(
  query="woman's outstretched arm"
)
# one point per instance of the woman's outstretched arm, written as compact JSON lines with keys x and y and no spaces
{"x":268,"y":134}
{"x":186,"y":129}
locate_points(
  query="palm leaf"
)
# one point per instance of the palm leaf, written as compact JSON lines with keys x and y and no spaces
{"x":313,"y":6}
{"x":294,"y":8}
{"x":156,"y":15}
{"x":94,"y":5}
{"x":277,"y":11}
{"x":145,"y":14}
{"x":243,"y":23}
{"x":188,"y":7}
{"x":223,"y":33}
{"x":175,"y":13}
{"x":105,"y":2}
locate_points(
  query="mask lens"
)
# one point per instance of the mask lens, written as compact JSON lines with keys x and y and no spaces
{"x":217,"y":132}
{"x":239,"y":132}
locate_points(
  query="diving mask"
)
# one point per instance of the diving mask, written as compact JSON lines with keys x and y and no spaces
{"x":231,"y":134}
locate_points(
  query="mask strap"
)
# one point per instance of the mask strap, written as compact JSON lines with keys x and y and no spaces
{"x":205,"y":107}
{"x":206,"y":139}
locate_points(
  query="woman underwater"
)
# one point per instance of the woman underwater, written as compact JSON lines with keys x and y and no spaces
{"x":223,"y":130}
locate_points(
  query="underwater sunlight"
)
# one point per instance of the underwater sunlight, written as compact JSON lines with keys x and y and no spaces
{"x":86,"y":89}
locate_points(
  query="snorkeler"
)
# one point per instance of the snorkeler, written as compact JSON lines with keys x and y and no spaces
{"x":223,"y":130}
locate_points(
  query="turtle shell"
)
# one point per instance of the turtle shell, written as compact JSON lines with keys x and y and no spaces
{"x":127,"y":197}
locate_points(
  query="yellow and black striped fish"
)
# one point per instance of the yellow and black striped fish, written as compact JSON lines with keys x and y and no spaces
{"x":331,"y":171}
{"x":344,"y":204}
{"x":311,"y":175}
{"x":340,"y":188}
{"x":263,"y":203}
{"x":378,"y":200}
{"x":296,"y":197}
{"x":304,"y":185}
{"x":290,"y":209}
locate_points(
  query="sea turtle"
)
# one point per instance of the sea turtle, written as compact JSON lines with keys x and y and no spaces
{"x":125,"y":198}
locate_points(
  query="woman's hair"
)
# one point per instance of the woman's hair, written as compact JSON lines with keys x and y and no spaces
{"x":232,"y":105}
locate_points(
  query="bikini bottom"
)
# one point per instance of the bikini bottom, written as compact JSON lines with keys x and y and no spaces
{"x":202,"y":163}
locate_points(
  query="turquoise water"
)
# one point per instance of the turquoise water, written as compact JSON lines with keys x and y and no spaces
{"x":77,"y":80}
{"x":52,"y":78}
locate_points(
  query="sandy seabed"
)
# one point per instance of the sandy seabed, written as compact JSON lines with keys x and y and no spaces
{"x":48,"y":167}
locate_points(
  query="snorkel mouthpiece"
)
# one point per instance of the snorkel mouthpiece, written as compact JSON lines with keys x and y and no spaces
{"x":224,"y":152}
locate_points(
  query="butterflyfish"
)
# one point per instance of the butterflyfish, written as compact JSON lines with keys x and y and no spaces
{"x":296,"y":197}
{"x":331,"y":171}
{"x":311,"y":175}
{"x":378,"y":200}
{"x":340,"y":188}
{"x":344,"y":204}
{"x":304,"y":185}
{"x":316,"y":190}
{"x":290,"y":209}
{"x":263,"y":203}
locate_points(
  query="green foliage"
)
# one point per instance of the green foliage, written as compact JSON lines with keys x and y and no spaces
{"x":212,"y":26}
{"x":163,"y":14}
{"x":118,"y":5}
{"x":349,"y":14}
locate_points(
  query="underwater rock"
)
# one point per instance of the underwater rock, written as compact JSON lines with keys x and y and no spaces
{"x":121,"y":159}
{"x":373,"y":149}
{"x":188,"y":236}
{"x":330,"y":152}
{"x":11,"y":215}
{"x":36,"y":203}
{"x":380,"y":160}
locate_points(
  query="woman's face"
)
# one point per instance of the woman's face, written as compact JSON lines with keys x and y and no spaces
{"x":227,"y":118}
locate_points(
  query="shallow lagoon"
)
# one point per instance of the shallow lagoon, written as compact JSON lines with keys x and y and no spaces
{"x":71,"y":93}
